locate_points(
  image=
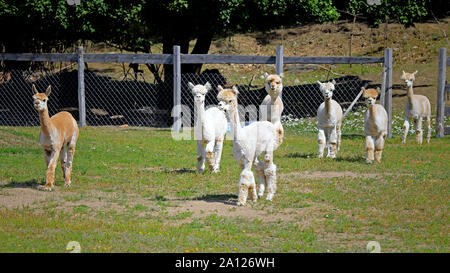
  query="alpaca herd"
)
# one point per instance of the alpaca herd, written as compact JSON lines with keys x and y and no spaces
{"x":254,"y":144}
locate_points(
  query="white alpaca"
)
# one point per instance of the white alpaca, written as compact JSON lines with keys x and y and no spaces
{"x":417,"y":107}
{"x":249,"y":142}
{"x":375,"y":126}
{"x":329,"y":121}
{"x":210,"y":128}
{"x":58,"y":134}
{"x":272,"y":106}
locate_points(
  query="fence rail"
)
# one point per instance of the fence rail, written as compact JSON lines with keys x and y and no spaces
{"x":176,"y":59}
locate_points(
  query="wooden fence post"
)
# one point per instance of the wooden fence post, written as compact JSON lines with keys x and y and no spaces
{"x":177,"y":88}
{"x":279,"y":63}
{"x":440,"y":106}
{"x":388,"y":61}
{"x":81,"y":94}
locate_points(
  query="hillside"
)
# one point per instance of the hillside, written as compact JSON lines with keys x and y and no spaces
{"x":415,"y":48}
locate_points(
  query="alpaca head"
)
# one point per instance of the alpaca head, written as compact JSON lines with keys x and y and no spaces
{"x":40,"y":99}
{"x":199,"y":91}
{"x":227,"y":98}
{"x":409,"y":78}
{"x":273,"y":85}
{"x":327,"y":89}
{"x":371,"y":95}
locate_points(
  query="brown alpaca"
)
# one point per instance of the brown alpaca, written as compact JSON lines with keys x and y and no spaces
{"x":58,"y":138}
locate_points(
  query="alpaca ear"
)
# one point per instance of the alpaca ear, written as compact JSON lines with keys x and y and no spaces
{"x":48,"y":91}
{"x":378,"y":91}
{"x":319,"y":83}
{"x":33,"y":87}
{"x":191,"y":85}
{"x":333,"y":81}
{"x":266,"y":74}
{"x":415,"y":73}
{"x":208,"y":86}
{"x":363,"y":89}
{"x":219,"y":88}
{"x":281,"y":75}
{"x":235,"y":90}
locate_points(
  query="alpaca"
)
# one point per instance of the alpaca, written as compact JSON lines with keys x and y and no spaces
{"x":210,"y":128}
{"x":58,"y":138}
{"x":249,"y":143}
{"x":417,"y":107}
{"x":329,"y":121}
{"x":375,"y":125}
{"x":272,"y":106}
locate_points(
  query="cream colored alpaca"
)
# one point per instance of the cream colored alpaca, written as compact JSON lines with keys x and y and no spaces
{"x":329,"y":121}
{"x":272,"y":106}
{"x":58,"y":138}
{"x":210,"y":128}
{"x":417,"y":107}
{"x":249,"y":142}
{"x":375,"y":125}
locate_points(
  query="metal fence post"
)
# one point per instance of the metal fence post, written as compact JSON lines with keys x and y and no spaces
{"x":177,"y":88}
{"x":440,"y":109}
{"x":388,"y":61}
{"x":81,"y":94}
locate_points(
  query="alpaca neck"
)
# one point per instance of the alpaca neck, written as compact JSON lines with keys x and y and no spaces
{"x":200,"y":107}
{"x":372,"y":110}
{"x":410,"y":93}
{"x":235,"y":124}
{"x":46,"y":124}
{"x":327,"y":105}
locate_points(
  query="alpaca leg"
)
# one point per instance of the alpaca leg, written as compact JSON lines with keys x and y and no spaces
{"x":259,"y":168}
{"x":50,"y":174}
{"x":321,"y":141}
{"x":246,"y":185}
{"x":369,"y":149}
{"x":270,"y":171}
{"x":217,"y":155}
{"x":70,"y":154}
{"x":379,"y":145}
{"x":405,"y":130}
{"x":339,"y":134}
{"x":333,"y":138}
{"x":428,"y":129}
{"x":327,"y":137}
{"x":209,"y":150}
{"x":63,"y":160}
{"x":419,"y":134}
{"x":200,"y":157}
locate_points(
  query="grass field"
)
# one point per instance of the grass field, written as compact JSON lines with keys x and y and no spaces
{"x":136,"y":190}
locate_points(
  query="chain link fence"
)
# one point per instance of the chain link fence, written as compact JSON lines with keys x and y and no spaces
{"x":137,"y":99}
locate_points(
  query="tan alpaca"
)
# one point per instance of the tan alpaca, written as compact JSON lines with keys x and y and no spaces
{"x":58,"y":138}
{"x":417,"y":107}
{"x":272,"y":106}
{"x":375,"y":126}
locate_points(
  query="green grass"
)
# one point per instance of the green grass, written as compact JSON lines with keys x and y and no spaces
{"x":136,"y":190}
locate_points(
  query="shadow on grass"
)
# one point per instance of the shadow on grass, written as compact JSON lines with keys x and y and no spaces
{"x":179,"y":171}
{"x":228,"y":199}
{"x":353,"y":136}
{"x":354,"y":158}
{"x":33,"y":183}
{"x":301,"y":155}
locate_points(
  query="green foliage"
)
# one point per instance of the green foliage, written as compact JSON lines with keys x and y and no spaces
{"x":404,"y":12}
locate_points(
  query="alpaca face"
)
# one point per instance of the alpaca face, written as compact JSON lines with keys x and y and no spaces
{"x":199,"y":91}
{"x":274,"y":85}
{"x":327,"y":89}
{"x":370,"y":95}
{"x":227,"y":98}
{"x":40,"y":99}
{"x":409,"y":78}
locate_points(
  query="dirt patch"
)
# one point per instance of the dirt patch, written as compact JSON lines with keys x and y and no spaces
{"x":327,"y":175}
{"x":22,"y":197}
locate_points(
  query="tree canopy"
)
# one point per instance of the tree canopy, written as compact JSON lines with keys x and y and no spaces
{"x":134,"y":25}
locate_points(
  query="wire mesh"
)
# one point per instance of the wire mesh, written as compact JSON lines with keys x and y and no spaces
{"x":137,"y":99}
